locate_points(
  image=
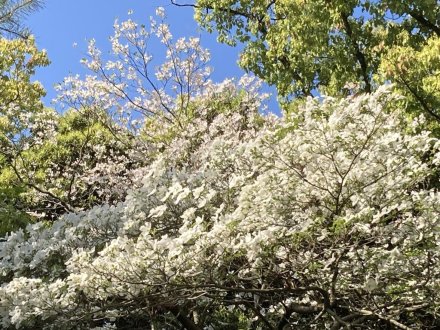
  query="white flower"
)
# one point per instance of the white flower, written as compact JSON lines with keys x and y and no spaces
{"x":157,"y":211}
{"x":160,"y":11}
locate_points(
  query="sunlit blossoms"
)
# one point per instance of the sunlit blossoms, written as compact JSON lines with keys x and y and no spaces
{"x":229,"y":217}
{"x":132,"y":85}
{"x":269,"y":220}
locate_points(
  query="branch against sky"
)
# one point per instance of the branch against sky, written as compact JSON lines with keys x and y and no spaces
{"x":12,"y":12}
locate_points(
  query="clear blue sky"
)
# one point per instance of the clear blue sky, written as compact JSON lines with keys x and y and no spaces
{"x":61,"y":23}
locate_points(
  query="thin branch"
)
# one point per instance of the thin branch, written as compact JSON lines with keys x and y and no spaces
{"x":384,"y":318}
{"x":228,"y":10}
{"x":420,"y":99}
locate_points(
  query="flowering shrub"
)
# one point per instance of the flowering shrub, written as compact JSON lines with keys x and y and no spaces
{"x":328,"y":218}
{"x":321,"y":220}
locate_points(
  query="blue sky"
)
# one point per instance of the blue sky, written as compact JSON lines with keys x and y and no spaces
{"x":61,"y":23}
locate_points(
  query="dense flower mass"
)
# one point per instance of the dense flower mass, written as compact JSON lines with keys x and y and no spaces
{"x":252,"y":218}
{"x":188,"y":205}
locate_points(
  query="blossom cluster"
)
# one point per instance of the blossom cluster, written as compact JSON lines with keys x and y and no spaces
{"x":225,"y":215}
{"x":330,"y":211}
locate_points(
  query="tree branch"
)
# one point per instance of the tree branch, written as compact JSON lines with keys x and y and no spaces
{"x":384,"y":318}
{"x":420,"y":99}
{"x":424,"y":22}
{"x":360,"y":57}
{"x":228,"y":10}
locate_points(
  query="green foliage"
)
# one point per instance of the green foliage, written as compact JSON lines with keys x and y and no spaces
{"x":333,"y":47}
{"x":20,"y":96}
{"x":59,"y":169}
{"x":11,"y":216}
{"x":416,"y":73}
{"x":54,"y":170}
{"x":223,"y":319}
{"x":21,"y":109}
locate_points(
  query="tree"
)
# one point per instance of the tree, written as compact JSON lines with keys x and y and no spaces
{"x":12,"y":11}
{"x":416,"y":73}
{"x":328,"y":47}
{"x":77,"y":163}
{"x":20,"y":97}
{"x":20,"y":112}
{"x":129,"y":88}
{"x":318,"y":221}
{"x":53,"y":163}
{"x":327,"y":217}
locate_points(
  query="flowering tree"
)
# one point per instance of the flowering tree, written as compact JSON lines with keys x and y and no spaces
{"x":320,"y":220}
{"x":63,"y":163}
{"x":48,"y":162}
{"x":326,"y":218}
{"x":130,"y":87}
